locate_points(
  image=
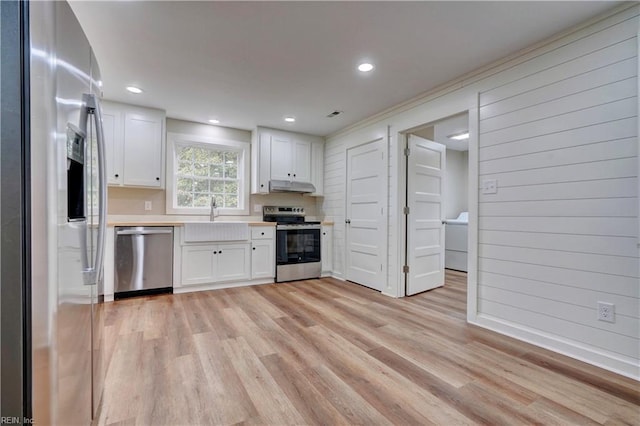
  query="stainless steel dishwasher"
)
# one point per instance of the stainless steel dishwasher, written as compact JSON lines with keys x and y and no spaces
{"x":144,"y":260}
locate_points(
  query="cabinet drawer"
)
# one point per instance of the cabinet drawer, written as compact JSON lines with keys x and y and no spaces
{"x":262,"y":232}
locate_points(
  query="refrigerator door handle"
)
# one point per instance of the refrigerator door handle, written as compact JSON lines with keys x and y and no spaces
{"x":93,"y":108}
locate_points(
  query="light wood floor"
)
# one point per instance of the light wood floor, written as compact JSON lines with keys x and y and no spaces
{"x":329,"y":352}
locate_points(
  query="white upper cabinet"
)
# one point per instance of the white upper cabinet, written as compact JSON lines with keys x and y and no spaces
{"x":281,"y":155}
{"x":134,"y":139}
{"x":281,"y":158}
{"x":113,"y":135}
{"x":301,"y":161}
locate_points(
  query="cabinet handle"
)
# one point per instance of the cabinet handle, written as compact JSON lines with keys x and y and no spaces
{"x":220,"y":252}
{"x":324,"y":233}
{"x":117,"y":175}
{"x":288,"y":174}
{"x":157,"y":178}
{"x":262,"y":185}
{"x":215,"y":252}
{"x":262,"y":233}
{"x":254,"y":248}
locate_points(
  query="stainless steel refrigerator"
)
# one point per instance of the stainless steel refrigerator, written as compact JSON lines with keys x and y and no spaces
{"x":68,"y":218}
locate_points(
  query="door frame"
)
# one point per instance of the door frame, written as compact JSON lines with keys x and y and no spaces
{"x":401,"y":136}
{"x":384,"y":196}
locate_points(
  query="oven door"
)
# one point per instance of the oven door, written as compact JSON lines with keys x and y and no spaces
{"x":297,"y":246}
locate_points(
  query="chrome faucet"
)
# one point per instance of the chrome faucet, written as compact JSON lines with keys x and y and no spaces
{"x":214,"y":209}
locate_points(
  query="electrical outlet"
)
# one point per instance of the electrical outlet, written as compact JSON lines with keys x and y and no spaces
{"x":148,"y":205}
{"x":257,"y":208}
{"x":606,"y":312}
{"x":489,"y":186}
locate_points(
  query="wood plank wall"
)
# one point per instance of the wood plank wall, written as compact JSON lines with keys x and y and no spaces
{"x":559,"y":134}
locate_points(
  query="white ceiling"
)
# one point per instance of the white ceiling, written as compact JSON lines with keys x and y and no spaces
{"x":452,"y":126}
{"x":252,"y":63}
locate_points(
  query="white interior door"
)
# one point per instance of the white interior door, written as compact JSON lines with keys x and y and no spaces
{"x":425,"y":230}
{"x":365,"y":219}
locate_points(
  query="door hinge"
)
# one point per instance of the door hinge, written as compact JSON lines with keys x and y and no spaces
{"x":405,"y":269}
{"x":405,"y":210}
{"x":407,"y":152}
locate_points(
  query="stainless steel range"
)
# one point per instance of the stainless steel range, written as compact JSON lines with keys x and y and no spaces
{"x":297,"y":243}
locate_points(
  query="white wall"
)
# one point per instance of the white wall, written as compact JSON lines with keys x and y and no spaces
{"x":558,"y":130}
{"x":456,"y":195}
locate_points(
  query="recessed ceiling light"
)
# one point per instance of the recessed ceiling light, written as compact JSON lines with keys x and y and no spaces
{"x":134,"y":89}
{"x":365,"y":67}
{"x":214,"y":121}
{"x":290,"y":119}
{"x":459,"y":136}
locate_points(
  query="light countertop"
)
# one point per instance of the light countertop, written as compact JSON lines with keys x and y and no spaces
{"x":174,"y":220}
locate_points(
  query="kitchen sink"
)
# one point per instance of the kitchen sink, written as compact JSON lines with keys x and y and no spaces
{"x":215,"y":231}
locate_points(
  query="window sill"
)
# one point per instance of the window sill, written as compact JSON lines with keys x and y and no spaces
{"x":207,"y":211}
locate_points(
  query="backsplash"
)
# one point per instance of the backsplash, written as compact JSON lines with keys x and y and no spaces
{"x":130,"y":201}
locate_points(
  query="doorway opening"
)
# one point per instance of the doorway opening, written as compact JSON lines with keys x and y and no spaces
{"x":436,"y":203}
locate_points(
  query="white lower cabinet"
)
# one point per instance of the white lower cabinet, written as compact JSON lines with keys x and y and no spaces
{"x":263,"y":256}
{"x":326,"y":247}
{"x":213,"y":263}
{"x":263,"y":260}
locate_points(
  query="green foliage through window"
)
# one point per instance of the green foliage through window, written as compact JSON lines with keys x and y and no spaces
{"x":203,"y":173}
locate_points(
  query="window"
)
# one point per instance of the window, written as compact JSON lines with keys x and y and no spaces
{"x":204,"y":173}
{"x":202,"y":168}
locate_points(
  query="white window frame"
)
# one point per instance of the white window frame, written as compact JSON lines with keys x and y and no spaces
{"x":175,"y":140}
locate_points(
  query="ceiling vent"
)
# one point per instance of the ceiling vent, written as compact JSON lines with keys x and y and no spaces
{"x":334,"y":114}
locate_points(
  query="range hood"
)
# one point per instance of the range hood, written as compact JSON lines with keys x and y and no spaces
{"x":288,"y":186}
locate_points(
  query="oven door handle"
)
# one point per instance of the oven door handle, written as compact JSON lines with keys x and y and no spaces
{"x":299,"y":228}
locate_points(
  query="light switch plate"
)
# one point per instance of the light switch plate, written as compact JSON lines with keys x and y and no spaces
{"x":257,"y":208}
{"x":147,"y":205}
{"x":489,"y":186}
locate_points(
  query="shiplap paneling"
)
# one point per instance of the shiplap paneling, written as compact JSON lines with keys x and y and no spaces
{"x":612,"y":265}
{"x":604,"y":188}
{"x":571,"y":125}
{"x":604,"y":284}
{"x":585,"y":334}
{"x":558,"y":124}
{"x":609,"y":150}
{"x":594,"y":244}
{"x":534,"y":69}
{"x":596,"y":133}
{"x":578,"y":296}
{"x":602,"y":76}
{"x":623,"y":108}
{"x":625,"y":325}
{"x":557,"y":107}
{"x":614,"y":226}
{"x":588,"y":171}
{"x":592,"y":207}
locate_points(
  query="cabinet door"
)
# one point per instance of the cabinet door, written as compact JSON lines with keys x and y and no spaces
{"x":263,"y":165}
{"x":302,"y":161}
{"x":327,"y":249}
{"x":113,"y":138}
{"x":263,"y":259}
{"x":317,"y":168}
{"x":281,"y":158}
{"x":233,"y":262}
{"x":198,"y":264}
{"x":143,"y":150}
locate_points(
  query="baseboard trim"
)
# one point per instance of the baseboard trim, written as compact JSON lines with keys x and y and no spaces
{"x":624,"y":366}
{"x":206,"y":287}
